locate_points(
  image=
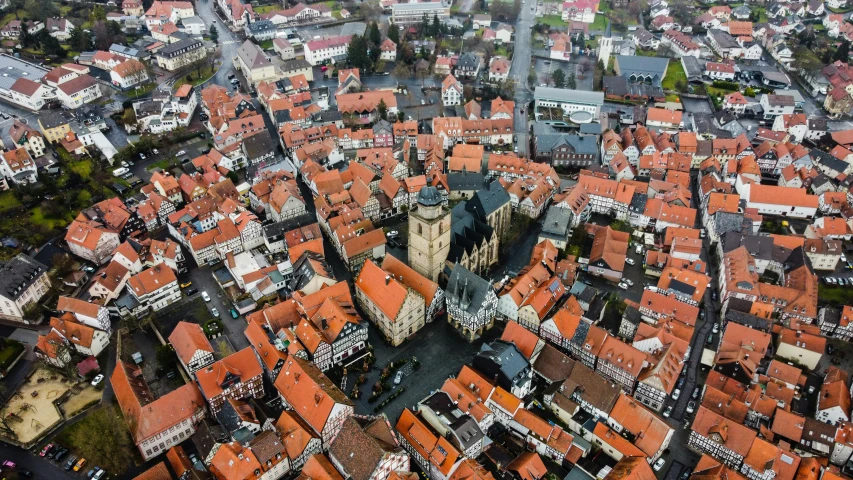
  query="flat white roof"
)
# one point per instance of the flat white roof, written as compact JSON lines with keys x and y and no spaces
{"x":568,"y":96}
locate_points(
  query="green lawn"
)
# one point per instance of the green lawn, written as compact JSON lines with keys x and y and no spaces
{"x":38,"y":217}
{"x":142,"y":90}
{"x":551,"y":20}
{"x":833,"y":295}
{"x":266,"y":9}
{"x":674,"y":72}
{"x":196,"y":80}
{"x":11,"y":350}
{"x":716,"y":94}
{"x":266,"y":45}
{"x":8,"y":200}
{"x":600,"y":23}
{"x":82,"y":168}
{"x":164,"y":164}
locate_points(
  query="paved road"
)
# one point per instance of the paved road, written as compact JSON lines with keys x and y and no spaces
{"x":228,"y":42}
{"x":40,"y":467}
{"x":518,"y":71}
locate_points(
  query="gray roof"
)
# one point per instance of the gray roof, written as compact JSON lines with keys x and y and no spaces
{"x":725,"y":222}
{"x":54,"y":118}
{"x":758,"y":247}
{"x":487,"y":200}
{"x":192,"y":21}
{"x":569,"y":96}
{"x":252,"y":55}
{"x":14,"y":68}
{"x":467,"y":290}
{"x":457,"y":181}
{"x":506,"y":355}
{"x":827,"y":160}
{"x":177,"y":48}
{"x":261,"y":26}
{"x":124,"y":50}
{"x":579,"y":144}
{"x":741,"y":10}
{"x":629,"y":64}
{"x":556,"y":224}
{"x":353,"y":28}
{"x":463,"y":426}
{"x":17,"y":274}
{"x":468,"y":61}
{"x":259,"y":144}
{"x":429,"y":196}
{"x":723,"y":39}
{"x":693,"y":67}
{"x":295,"y":64}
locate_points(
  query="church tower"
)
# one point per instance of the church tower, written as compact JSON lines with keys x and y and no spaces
{"x":429,"y":234}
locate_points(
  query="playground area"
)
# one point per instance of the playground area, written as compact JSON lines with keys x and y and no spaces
{"x":35,"y":408}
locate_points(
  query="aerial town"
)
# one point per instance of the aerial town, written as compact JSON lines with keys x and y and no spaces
{"x":426,"y":240}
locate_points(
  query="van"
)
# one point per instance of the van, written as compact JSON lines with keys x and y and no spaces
{"x":118,"y":172}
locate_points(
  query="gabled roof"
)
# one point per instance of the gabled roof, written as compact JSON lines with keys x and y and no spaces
{"x":188,"y":338}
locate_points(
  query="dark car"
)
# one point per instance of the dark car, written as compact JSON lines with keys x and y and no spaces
{"x":25,"y":473}
{"x":70,"y":463}
{"x":61,"y":454}
{"x":191,"y":291}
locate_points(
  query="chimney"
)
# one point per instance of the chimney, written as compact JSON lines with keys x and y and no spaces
{"x":387,"y":279}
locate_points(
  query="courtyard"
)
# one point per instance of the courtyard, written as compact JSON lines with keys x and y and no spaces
{"x":43,"y":401}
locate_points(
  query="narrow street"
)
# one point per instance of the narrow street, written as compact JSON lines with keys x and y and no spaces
{"x":519,"y":71}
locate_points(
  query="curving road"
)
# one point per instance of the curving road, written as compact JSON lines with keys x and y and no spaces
{"x":519,"y":70}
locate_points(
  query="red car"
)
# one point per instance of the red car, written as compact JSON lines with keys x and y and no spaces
{"x":324,"y":68}
{"x":46,"y":449}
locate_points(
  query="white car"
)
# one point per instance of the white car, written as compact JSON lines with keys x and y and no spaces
{"x":623,"y":285}
{"x":628,"y":281}
{"x":691,"y":406}
{"x":676,"y":393}
{"x":205,"y":296}
{"x":125,"y":164}
{"x":659,"y":464}
{"x":142,"y":156}
{"x":716,"y":328}
{"x":668,"y":411}
{"x":98,"y":379}
{"x":156,"y":152}
{"x":182,"y":152}
{"x":398,"y":378}
{"x":392,"y":234}
{"x":214,"y":312}
{"x":630,"y":261}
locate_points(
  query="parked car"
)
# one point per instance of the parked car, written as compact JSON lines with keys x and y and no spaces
{"x":91,"y":472}
{"x":696,"y":392}
{"x":60,"y":454}
{"x":205,"y":296}
{"x":630,"y":261}
{"x":628,"y":281}
{"x":676,"y":393}
{"x":25,"y":473}
{"x":234,"y":313}
{"x":70,"y":463}
{"x":183,"y":152}
{"x":398,"y":378}
{"x":716,"y":328}
{"x":214,"y":312}
{"x":100,"y":474}
{"x":9,"y":464}
{"x":156,"y":152}
{"x":623,"y":285}
{"x":392,"y":234}
{"x":668,"y":411}
{"x":47,"y":448}
{"x":98,"y":379}
{"x":691,"y":406}
{"x":659,"y":464}
{"x":125,"y":164}
{"x":187,"y":284}
{"x":710,"y":339}
{"x":79,"y":464}
{"x":142,"y":156}
{"x":191,"y":291}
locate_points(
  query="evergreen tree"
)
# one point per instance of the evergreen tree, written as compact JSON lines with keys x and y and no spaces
{"x":436,"y":26}
{"x":214,"y":34}
{"x":394,"y":34}
{"x":559,"y":78}
{"x":357,"y":52}
{"x":843,"y":52}
{"x":375,"y":36}
{"x":425,"y":25}
{"x":571,"y":82}
{"x":382,"y":109}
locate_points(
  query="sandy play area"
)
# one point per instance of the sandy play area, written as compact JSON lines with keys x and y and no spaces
{"x":29,"y":416}
{"x":86,"y":398}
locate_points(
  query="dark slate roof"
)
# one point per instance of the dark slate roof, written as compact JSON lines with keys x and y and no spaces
{"x":463,"y":425}
{"x":577,"y":143}
{"x":328,"y":116}
{"x":259,"y":144}
{"x":827,"y":160}
{"x":725,"y":222}
{"x":723,"y":39}
{"x":693,"y":67}
{"x":556,"y":224}
{"x":457,"y":181}
{"x":797,"y":259}
{"x":429,"y":196}
{"x":759,"y":247}
{"x":632,"y":315}
{"x":174,"y":49}
{"x":506,"y":356}
{"x":17,"y":274}
{"x":295,"y":64}
{"x":468,"y":61}
{"x":284,"y":226}
{"x":831,"y":315}
{"x":260,"y":26}
{"x":629,"y":64}
{"x":638,"y":202}
{"x":682,"y":287}
{"x":467,"y":290}
{"x":487,"y":200}
{"x":748,"y":320}
{"x":617,"y":85}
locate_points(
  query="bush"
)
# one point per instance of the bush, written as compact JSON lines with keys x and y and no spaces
{"x":212,"y":327}
{"x":726,"y":85}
